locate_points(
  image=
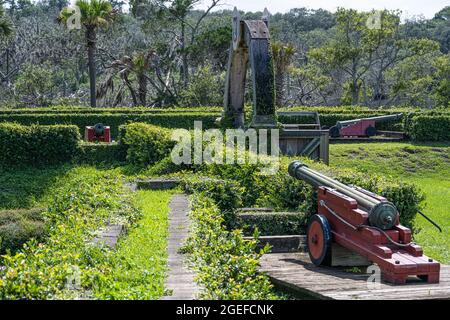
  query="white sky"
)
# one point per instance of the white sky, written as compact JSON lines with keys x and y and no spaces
{"x":409,"y":8}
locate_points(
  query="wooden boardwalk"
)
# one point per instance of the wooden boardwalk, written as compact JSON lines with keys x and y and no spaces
{"x":295,"y":272}
{"x":180,"y":280}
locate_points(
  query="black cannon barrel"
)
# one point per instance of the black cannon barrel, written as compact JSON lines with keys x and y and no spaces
{"x":382,"y":214}
{"x":376,"y":119}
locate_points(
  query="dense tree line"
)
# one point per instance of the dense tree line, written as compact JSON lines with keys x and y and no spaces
{"x":166,"y":53}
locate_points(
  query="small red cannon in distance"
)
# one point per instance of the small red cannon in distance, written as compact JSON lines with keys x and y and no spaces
{"x":97,"y":133}
{"x":365,"y":223}
{"x":365,"y":127}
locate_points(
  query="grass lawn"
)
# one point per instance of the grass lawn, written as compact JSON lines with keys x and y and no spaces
{"x":141,"y":258}
{"x":426,"y":165}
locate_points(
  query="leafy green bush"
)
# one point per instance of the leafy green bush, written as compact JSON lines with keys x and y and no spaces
{"x":205,"y":88}
{"x":37,"y":145}
{"x":19,"y":226}
{"x":98,"y":153}
{"x":225,"y":193}
{"x":283,"y":192}
{"x":83,"y":201}
{"x":429,"y":128}
{"x":146,"y":144}
{"x":271,"y":223}
{"x":225,"y":263}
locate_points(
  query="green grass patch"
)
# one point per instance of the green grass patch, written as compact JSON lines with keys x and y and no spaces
{"x":28,"y":187}
{"x":140,"y":268}
{"x":426,"y":165}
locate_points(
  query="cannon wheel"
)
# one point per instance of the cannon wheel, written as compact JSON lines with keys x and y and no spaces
{"x":371,"y":131}
{"x":319,"y":240}
{"x":334,"y":132}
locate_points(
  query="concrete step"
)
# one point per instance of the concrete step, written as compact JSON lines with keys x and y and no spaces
{"x":157,"y":184}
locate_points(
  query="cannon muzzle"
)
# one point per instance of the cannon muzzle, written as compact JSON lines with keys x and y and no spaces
{"x":382,"y":214}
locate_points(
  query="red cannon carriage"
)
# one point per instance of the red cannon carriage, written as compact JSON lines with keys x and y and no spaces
{"x":365,"y":127}
{"x":365,"y":223}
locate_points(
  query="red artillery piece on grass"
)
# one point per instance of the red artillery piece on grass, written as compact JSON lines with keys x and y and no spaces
{"x":365,"y":127}
{"x":364,"y":223}
{"x":97,"y":133}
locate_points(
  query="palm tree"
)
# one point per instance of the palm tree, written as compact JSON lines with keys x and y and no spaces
{"x":136,"y":66}
{"x":94,"y":14}
{"x":5,"y":24}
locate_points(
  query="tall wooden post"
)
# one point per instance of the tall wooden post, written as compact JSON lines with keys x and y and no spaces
{"x":250,"y":44}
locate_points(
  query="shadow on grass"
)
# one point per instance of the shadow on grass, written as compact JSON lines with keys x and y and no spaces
{"x":26,"y":186}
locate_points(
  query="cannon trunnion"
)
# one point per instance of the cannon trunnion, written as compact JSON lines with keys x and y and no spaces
{"x":364,"y":223}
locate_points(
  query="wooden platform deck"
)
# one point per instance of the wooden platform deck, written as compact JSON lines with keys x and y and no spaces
{"x":294,"y":272}
{"x":180,"y":280}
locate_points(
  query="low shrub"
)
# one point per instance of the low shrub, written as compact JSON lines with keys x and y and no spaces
{"x":37,"y":145}
{"x":100,"y":153}
{"x":19,"y":226}
{"x":429,"y":128}
{"x":271,"y":223}
{"x":83,"y":201}
{"x":226,"y":194}
{"x":145,"y":144}
{"x":226,"y":264}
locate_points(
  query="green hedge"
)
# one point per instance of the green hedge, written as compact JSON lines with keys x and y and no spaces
{"x":227,"y":265}
{"x":37,"y":145}
{"x":428,"y":128}
{"x":101,"y":153}
{"x":271,"y":223}
{"x":145,"y":144}
{"x":225,"y":193}
{"x":118,"y":110}
{"x":168,"y":120}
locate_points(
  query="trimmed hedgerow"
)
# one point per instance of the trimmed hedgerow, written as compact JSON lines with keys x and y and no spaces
{"x":226,"y":264}
{"x":271,"y":223}
{"x":37,"y":145}
{"x":101,"y":153}
{"x":145,"y":144}
{"x":428,"y":128}
{"x":183,"y":120}
{"x":121,"y":110}
{"x":225,"y":193}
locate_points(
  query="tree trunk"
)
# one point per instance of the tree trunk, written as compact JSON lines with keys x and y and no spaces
{"x":91,"y":39}
{"x":184,"y":55}
{"x":142,"y":80}
{"x":355,"y":87}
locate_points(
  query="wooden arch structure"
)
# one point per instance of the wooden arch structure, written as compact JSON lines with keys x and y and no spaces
{"x":250,"y":46}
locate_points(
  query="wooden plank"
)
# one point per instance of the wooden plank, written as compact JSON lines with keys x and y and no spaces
{"x":295,"y":272}
{"x":180,"y":280}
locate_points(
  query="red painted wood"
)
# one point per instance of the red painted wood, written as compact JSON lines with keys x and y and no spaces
{"x":396,"y":262}
{"x":89,"y":135}
{"x":357,"y":129}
